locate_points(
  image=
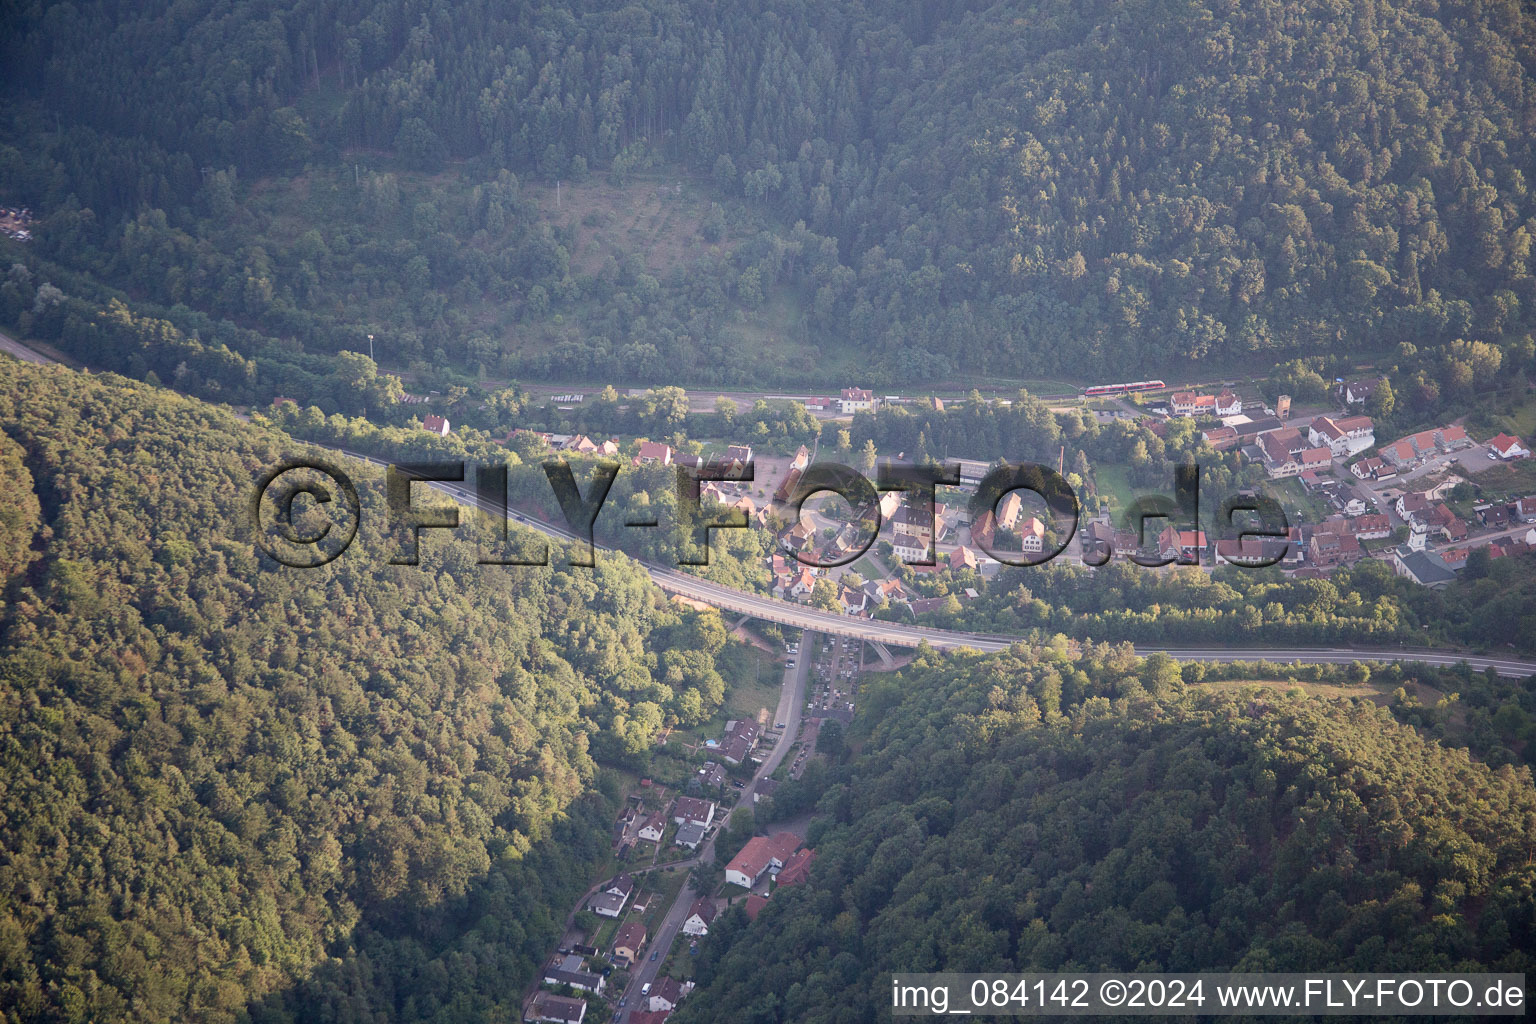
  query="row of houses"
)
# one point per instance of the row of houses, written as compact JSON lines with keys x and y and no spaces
{"x":1426,"y":444}
{"x":1189,"y":403}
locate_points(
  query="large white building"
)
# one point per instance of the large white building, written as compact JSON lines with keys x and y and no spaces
{"x":1344,"y":437}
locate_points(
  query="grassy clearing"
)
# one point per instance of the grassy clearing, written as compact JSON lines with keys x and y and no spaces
{"x":1114,"y":483}
{"x":1379,"y":693}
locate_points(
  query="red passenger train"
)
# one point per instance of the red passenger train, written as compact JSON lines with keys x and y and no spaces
{"x":1124,"y":389}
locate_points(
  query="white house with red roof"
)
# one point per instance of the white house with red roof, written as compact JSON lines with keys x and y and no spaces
{"x":1507,"y":446}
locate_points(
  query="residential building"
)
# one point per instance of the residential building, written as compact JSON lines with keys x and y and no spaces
{"x":434,"y":424}
{"x":1358,"y":392}
{"x":1424,"y":444}
{"x":700,"y":916}
{"x":653,"y":453}
{"x":1525,"y":510}
{"x":1188,"y":403}
{"x":1228,"y":404}
{"x":856,"y":400}
{"x":711,"y":776}
{"x":852,"y":602}
{"x":653,"y":828}
{"x":1344,"y":437}
{"x":884,"y":591}
{"x":666,"y":993}
{"x":797,"y":870}
{"x":1182,"y":545}
{"x":629,"y":941}
{"x":1327,"y":549}
{"x":1373,"y":468}
{"x":1494,"y":517}
{"x":917,"y":522}
{"x":689,"y":834}
{"x":1220,"y":438}
{"x":571,"y":970}
{"x":692,"y":808}
{"x":546,"y":1006}
{"x":1507,"y":446}
{"x":761,"y":855}
{"x":1032,"y":536}
{"x":755,"y":905}
{"x":909,"y":548}
{"x":764,"y":789}
{"x":963,"y":558}
{"x":1009,"y":509}
{"x":1425,"y":568}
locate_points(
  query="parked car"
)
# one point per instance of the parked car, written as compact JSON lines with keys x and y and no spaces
{"x":655,"y":953}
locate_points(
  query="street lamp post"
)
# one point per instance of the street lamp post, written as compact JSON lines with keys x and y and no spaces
{"x":370,"y":347}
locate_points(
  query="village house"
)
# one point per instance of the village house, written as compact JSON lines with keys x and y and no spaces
{"x":1188,"y":403}
{"x":1507,"y":447}
{"x":711,"y":776}
{"x":1358,"y":392}
{"x":797,"y":870}
{"x":1344,"y":437}
{"x":689,"y":834}
{"x":434,"y":424}
{"x":740,"y":738}
{"x":964,"y":558}
{"x":851,"y":601}
{"x":1228,"y":404}
{"x":1327,"y":548}
{"x":1373,"y":468}
{"x":1032,"y":536}
{"x":546,"y":1006}
{"x":1494,"y":517}
{"x":571,"y":970}
{"x":700,"y":916}
{"x":885,"y":591}
{"x":1182,"y":545}
{"x":1220,"y":438}
{"x":666,"y":993}
{"x":653,"y":453}
{"x":629,"y":941}
{"x":1425,"y":568}
{"x":856,"y":400}
{"x":653,"y":827}
{"x":762,"y":855}
{"x":691,"y":808}
{"x":910,"y":549}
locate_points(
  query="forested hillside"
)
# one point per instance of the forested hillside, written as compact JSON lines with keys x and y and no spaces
{"x":1007,"y":188}
{"x":1026,"y":811}
{"x":361,"y":791}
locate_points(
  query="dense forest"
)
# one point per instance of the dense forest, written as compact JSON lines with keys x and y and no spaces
{"x":361,"y":791}
{"x":1082,"y":188}
{"x":1031,"y":811}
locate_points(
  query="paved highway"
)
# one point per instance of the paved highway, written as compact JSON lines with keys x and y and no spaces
{"x":900,"y":635}
{"x":802,"y":617}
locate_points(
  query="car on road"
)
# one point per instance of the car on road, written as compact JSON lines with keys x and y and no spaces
{"x":645,"y":989}
{"x":779,"y":725}
{"x":621,"y":1002}
{"x":655,"y":953}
